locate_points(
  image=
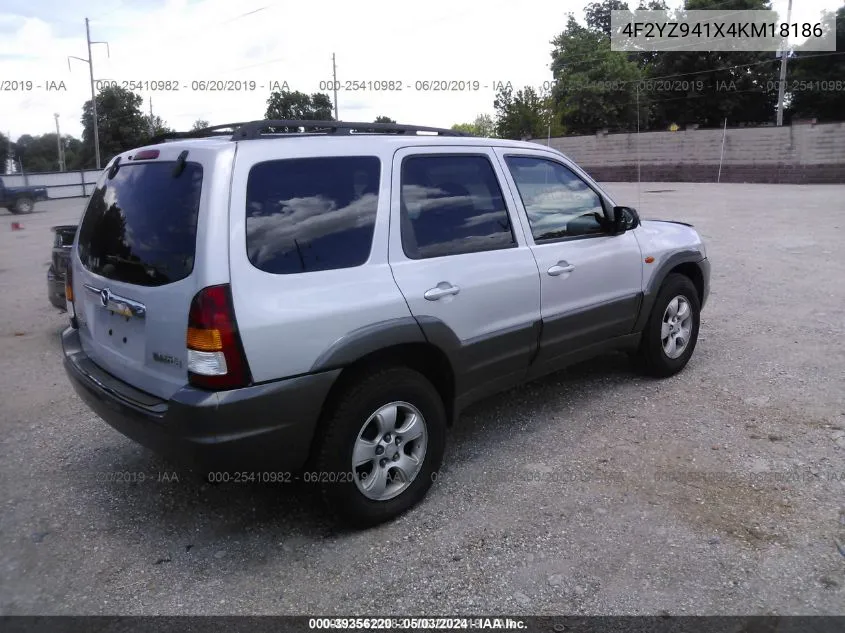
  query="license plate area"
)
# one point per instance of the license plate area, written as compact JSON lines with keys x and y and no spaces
{"x":121,"y":334}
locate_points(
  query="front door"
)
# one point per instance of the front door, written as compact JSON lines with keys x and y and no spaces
{"x":591,"y":281}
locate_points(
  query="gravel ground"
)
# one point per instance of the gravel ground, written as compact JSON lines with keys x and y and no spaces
{"x":593,"y":491}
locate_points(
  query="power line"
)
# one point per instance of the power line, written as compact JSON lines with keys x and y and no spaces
{"x":712,"y":70}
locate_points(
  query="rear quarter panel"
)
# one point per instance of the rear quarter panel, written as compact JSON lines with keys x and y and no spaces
{"x":287,"y":321}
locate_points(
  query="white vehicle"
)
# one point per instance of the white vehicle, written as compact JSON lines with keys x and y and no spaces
{"x":321,"y":304}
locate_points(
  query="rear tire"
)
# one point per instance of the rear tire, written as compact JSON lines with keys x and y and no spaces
{"x":23,"y":206}
{"x":671,"y":331}
{"x":393,"y":473}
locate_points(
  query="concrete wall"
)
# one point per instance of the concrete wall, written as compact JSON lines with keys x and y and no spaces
{"x":65,"y":184}
{"x":800,"y":153}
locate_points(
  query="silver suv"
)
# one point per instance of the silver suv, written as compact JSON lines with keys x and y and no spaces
{"x":318,"y":301}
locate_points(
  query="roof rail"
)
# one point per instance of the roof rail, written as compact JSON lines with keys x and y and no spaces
{"x":254,"y":129}
{"x":225,"y":129}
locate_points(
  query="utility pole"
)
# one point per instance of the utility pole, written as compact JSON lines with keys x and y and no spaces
{"x":90,"y":63}
{"x":782,"y":82}
{"x":334,"y":86}
{"x":59,"y":144}
{"x":152,"y":127}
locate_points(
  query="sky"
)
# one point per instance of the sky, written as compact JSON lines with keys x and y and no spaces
{"x":266,"y":41}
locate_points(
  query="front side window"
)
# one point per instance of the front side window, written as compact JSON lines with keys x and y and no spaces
{"x":558,"y":203}
{"x":311,"y":214}
{"x":452,"y":204}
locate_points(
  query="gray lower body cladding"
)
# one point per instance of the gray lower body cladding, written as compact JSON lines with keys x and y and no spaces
{"x":263,"y":427}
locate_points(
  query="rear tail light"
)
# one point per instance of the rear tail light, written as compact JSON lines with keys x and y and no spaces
{"x":216,"y":357}
{"x":71,"y":308}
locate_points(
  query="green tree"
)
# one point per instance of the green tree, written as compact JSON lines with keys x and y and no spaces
{"x":159,"y":126}
{"x":199,"y":124}
{"x":525,"y":114}
{"x":384,"y":119}
{"x":809,"y":99}
{"x":41,"y":153}
{"x":300,"y":106}
{"x":121,"y":124}
{"x":483,"y":126}
{"x":594,"y":87}
{"x":468,"y":128}
{"x":73,"y":153}
{"x":644,"y":59}
{"x":38,"y":153}
{"x":719,"y":84}
{"x":597,"y":14}
{"x":4,"y":151}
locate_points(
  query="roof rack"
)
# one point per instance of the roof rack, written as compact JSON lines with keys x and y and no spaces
{"x":296,"y":127}
{"x":225,"y":129}
{"x":255,"y":129}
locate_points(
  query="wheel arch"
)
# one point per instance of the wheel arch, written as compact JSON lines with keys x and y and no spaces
{"x":425,"y":358}
{"x":691,"y":264}
{"x":394,"y":342}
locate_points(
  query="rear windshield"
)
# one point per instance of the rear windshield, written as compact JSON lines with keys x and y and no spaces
{"x":140,"y":227}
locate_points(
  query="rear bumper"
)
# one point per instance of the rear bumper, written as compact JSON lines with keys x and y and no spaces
{"x":263,"y":427}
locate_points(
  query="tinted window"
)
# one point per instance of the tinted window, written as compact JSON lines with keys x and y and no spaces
{"x":141,"y":226}
{"x":310,"y":214}
{"x":452,"y":205}
{"x":558,"y":203}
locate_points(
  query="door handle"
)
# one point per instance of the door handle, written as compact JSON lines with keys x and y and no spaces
{"x":560,"y":268}
{"x":443,"y":289}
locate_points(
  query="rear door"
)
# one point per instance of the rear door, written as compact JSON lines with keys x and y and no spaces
{"x":591,"y":280}
{"x":458,"y":254}
{"x":136,"y":269}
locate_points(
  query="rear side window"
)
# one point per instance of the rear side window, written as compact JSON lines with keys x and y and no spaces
{"x":310,"y":214}
{"x":452,"y":204}
{"x":140,"y":227}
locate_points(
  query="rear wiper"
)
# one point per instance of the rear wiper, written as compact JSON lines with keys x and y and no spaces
{"x":113,"y":169}
{"x":180,"y":163}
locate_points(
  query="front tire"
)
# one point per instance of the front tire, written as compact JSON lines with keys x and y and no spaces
{"x":671,"y":331}
{"x":380,"y":446}
{"x":23,"y":205}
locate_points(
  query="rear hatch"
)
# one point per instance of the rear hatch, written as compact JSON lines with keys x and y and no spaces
{"x":136,"y":264}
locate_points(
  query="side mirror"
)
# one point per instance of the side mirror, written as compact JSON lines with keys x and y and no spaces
{"x":624,"y":219}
